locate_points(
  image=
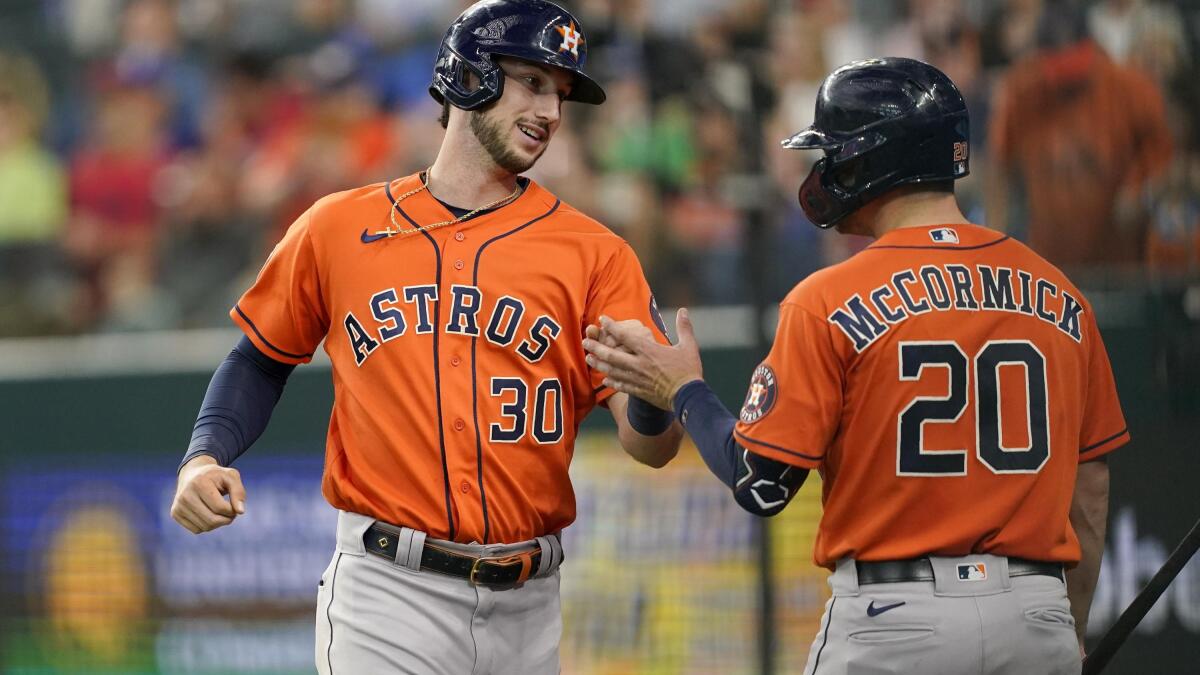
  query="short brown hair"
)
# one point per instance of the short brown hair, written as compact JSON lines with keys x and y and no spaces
{"x":444,"y":119}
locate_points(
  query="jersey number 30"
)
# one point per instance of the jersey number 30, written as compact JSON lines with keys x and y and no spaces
{"x":547,"y":426}
{"x":913,"y":460}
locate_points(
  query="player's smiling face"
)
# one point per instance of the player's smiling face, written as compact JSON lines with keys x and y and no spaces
{"x":517,"y":128}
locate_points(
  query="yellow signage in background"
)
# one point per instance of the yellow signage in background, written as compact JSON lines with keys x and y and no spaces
{"x":96,"y":582}
{"x":96,"y":591}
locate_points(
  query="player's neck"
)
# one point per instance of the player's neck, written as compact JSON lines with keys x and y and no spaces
{"x":915,"y":209}
{"x":463,"y":174}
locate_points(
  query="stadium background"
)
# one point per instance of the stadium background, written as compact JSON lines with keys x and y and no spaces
{"x":151,"y":153}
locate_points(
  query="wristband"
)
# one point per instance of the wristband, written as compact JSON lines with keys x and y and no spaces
{"x":647,"y":419}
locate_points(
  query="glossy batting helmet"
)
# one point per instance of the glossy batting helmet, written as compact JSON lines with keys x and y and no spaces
{"x":533,"y":30}
{"x":882,"y":123}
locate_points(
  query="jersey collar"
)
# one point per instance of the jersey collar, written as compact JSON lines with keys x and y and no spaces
{"x":957,"y":236}
{"x":423,"y":207}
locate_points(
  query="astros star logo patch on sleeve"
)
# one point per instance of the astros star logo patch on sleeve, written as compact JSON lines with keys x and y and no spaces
{"x":761,"y":397}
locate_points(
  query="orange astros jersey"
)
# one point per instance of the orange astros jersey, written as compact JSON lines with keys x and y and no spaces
{"x":459,"y":376}
{"x":946,"y":381}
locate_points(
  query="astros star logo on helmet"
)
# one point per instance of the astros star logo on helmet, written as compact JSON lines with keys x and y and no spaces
{"x":571,"y":39}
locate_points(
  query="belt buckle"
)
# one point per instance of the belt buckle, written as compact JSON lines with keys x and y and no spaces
{"x":524,"y":559}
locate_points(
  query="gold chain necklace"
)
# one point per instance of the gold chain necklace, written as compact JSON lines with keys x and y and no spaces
{"x":425,"y":228}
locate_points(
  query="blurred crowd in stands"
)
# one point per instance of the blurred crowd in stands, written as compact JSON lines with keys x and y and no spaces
{"x":153,"y":151}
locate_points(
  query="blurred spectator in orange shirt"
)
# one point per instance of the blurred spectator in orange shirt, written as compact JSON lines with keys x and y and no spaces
{"x":1079,"y":137}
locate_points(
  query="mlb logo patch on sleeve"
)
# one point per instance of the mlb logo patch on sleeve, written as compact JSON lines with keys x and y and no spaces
{"x":943,"y":235}
{"x":972,"y":572}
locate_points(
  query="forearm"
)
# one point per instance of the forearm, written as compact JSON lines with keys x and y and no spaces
{"x":238,"y":404}
{"x":760,"y":485}
{"x":710,"y":424}
{"x":653,"y":442}
{"x":1089,"y":516}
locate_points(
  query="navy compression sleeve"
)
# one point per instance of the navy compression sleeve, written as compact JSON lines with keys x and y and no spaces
{"x":711,"y":426}
{"x":760,"y":485}
{"x":240,"y":398}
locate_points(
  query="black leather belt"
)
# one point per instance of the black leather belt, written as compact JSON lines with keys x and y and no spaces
{"x":920,"y":569}
{"x":500,"y":571}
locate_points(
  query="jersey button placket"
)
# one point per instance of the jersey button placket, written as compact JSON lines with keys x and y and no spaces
{"x":459,"y":236}
{"x":455,"y":361}
{"x":459,"y":424}
{"x":459,"y":264}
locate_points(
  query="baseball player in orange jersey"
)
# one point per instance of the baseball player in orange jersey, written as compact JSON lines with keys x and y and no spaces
{"x":949,"y":384}
{"x":452,"y":303}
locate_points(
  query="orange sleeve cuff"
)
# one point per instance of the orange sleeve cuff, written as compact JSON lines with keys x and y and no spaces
{"x":776,"y":452}
{"x":252,"y":332}
{"x":603,"y":393}
{"x":1104,"y":446}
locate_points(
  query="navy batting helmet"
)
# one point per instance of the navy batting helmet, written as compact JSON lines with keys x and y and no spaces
{"x":533,"y":30}
{"x":882,"y":123}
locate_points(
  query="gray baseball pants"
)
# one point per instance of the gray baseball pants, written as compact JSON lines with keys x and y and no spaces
{"x":377,"y":616}
{"x":952,"y":626}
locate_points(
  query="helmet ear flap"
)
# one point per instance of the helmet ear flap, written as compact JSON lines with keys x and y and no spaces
{"x":822,"y":196}
{"x":850,"y":176}
{"x":453,"y":77}
{"x":819,"y":205}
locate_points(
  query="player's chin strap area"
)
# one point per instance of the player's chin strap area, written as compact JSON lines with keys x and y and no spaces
{"x":502,"y":567}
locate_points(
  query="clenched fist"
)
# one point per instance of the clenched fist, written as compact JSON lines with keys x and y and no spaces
{"x":200,"y":504}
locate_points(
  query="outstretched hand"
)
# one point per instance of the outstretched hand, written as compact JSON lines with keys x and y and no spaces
{"x":634,"y":363}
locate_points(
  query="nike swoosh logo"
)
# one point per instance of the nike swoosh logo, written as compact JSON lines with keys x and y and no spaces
{"x":368,"y":238}
{"x":872,"y":610}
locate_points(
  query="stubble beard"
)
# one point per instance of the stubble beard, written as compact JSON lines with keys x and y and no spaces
{"x":491,"y":135}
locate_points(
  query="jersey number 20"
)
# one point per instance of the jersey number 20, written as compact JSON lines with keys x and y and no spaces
{"x":913,"y":460}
